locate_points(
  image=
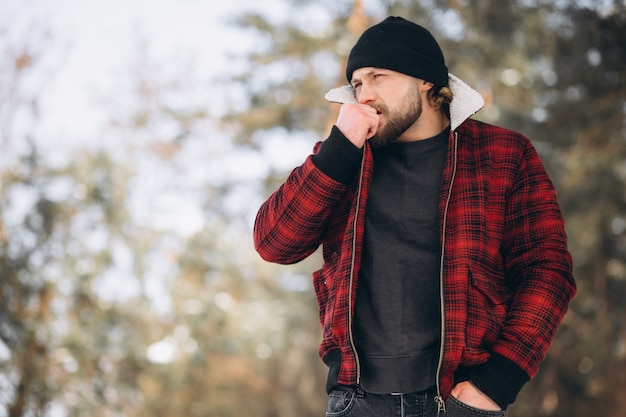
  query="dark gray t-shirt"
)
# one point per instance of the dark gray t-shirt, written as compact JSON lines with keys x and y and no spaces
{"x":397,"y":314}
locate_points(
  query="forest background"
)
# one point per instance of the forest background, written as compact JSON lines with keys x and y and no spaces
{"x":128,"y":281}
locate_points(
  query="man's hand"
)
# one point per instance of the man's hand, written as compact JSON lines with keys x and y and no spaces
{"x":467,"y":393}
{"x":358,"y":122}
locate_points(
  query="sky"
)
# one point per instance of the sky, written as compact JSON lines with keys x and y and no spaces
{"x":86,"y":47}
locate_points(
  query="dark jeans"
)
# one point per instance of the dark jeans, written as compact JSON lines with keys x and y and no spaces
{"x":353,"y":402}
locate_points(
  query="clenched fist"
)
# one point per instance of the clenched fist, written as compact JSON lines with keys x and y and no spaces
{"x":358,"y":122}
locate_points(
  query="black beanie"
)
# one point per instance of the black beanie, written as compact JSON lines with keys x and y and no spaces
{"x":399,"y":45}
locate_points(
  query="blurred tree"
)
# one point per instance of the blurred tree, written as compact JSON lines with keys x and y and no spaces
{"x":61,"y":229}
{"x":76,"y":315}
{"x":581,"y":132}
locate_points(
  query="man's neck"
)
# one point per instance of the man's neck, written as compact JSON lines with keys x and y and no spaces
{"x":430,"y":123}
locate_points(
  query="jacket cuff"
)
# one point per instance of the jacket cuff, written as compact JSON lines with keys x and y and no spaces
{"x":338,"y":157}
{"x":500,"y":379}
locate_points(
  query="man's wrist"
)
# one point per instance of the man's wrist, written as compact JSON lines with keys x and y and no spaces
{"x":338,"y":157}
{"x":500,"y":379}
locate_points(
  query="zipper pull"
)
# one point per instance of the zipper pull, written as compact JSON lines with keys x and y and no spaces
{"x":441,"y":404}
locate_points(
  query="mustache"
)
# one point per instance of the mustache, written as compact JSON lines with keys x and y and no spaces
{"x":380,"y":108}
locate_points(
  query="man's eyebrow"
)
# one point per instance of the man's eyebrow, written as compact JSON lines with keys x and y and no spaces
{"x":367,"y":74}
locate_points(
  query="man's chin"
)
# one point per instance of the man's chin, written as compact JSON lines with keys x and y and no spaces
{"x":380,"y":141}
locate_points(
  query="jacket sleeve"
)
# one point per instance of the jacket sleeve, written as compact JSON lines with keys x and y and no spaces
{"x":539,"y":274}
{"x":289,"y":226}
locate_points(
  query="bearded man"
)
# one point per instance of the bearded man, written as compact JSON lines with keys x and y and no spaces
{"x":446,"y":271}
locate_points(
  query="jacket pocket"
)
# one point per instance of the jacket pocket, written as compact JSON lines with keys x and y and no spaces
{"x":487,"y":305}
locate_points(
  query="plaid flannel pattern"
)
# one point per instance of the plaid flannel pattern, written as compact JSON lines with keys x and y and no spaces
{"x":507,"y":274}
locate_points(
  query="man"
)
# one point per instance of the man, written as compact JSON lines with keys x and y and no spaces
{"x":446,"y":272}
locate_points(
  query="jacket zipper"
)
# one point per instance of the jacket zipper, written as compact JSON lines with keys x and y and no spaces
{"x":441,"y":405}
{"x":352,"y":262}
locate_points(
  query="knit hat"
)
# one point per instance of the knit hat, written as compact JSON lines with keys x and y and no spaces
{"x":399,"y":45}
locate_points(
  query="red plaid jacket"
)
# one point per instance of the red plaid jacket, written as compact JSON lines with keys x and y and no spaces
{"x":506,"y":272}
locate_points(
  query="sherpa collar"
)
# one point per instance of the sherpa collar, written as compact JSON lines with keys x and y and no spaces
{"x":465,"y":103}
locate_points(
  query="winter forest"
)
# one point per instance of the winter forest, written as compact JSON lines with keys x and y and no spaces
{"x":128,"y":281}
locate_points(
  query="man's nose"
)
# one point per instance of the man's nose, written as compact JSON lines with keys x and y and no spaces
{"x":366,"y":94}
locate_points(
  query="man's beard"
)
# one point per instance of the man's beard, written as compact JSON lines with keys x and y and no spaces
{"x":398,"y":121}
